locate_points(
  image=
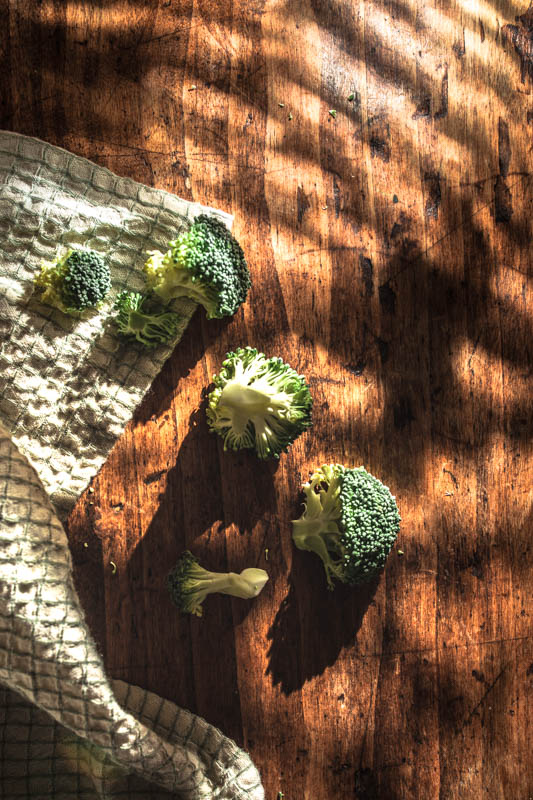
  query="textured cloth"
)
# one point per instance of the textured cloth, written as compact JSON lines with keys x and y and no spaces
{"x":68,"y":386}
{"x":67,"y":389}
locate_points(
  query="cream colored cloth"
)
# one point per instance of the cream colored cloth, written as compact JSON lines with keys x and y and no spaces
{"x":67,"y":389}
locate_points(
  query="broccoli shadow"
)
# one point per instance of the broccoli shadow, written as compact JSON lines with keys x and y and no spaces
{"x":209,"y":510}
{"x":305,"y":614}
{"x":207,"y":492}
{"x":240,"y":488}
{"x":188,"y":352}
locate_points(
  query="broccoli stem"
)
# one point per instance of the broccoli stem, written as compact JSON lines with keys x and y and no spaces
{"x":309,"y":528}
{"x":215,"y":582}
{"x":189,"y":583}
{"x":309,"y":536}
{"x":255,"y":401}
{"x":244,"y":398}
{"x":202,"y":583}
{"x":173,"y":291}
{"x":246,"y":584}
{"x":317,"y":530}
{"x":137,"y":320}
{"x":176,"y":281}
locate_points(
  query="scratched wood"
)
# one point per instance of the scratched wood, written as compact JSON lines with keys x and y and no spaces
{"x":390,"y":247}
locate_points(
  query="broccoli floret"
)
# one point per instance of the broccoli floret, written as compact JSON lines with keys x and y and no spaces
{"x":205,"y":263}
{"x":350,"y":520}
{"x":74,"y":282}
{"x":137,"y":318}
{"x":189,"y":583}
{"x":259,"y":403}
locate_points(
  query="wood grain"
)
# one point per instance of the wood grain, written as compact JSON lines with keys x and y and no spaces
{"x":390,"y":247}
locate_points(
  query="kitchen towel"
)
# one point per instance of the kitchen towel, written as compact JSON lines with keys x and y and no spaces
{"x":67,"y":389}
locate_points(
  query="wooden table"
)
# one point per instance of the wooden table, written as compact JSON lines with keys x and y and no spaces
{"x":377,"y":158}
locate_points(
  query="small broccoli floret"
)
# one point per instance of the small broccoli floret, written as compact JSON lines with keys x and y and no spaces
{"x":259,"y":403}
{"x":350,"y":520}
{"x":75,"y":282}
{"x":137,"y":319}
{"x":205,"y":263}
{"x":189,"y":583}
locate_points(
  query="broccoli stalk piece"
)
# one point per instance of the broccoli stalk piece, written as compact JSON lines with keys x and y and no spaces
{"x":74,"y":282}
{"x":148,"y":325}
{"x":259,"y":403}
{"x":189,"y":584}
{"x":350,"y":520}
{"x":206,"y":264}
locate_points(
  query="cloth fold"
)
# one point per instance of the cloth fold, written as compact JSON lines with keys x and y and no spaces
{"x":67,"y":390}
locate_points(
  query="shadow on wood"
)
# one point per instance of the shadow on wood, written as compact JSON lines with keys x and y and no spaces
{"x":313,"y":624}
{"x":188,"y":352}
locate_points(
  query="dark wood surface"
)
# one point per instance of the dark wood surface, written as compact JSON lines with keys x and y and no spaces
{"x":390,"y":248}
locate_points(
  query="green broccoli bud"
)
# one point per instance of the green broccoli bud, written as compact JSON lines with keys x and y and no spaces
{"x":350,"y":520}
{"x":75,"y":282}
{"x":189,"y":583}
{"x":259,"y":403}
{"x":137,"y":319}
{"x":206,"y":264}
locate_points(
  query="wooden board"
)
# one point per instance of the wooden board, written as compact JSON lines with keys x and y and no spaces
{"x":390,"y":247}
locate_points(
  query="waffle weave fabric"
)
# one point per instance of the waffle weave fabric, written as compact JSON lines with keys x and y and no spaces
{"x":68,"y":386}
{"x":67,"y":389}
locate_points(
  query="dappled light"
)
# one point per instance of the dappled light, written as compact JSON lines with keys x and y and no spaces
{"x":377,"y":160}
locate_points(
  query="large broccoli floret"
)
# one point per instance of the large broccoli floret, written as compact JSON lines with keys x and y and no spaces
{"x":189,"y":583}
{"x":74,"y":282}
{"x":138,"y":319}
{"x":350,"y":520}
{"x":205,"y":263}
{"x":259,"y":403}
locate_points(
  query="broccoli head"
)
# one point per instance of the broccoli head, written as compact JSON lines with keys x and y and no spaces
{"x":350,"y":520}
{"x":189,"y":583}
{"x":259,"y":403}
{"x":206,"y":264}
{"x":75,"y":282}
{"x":138,"y":319}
